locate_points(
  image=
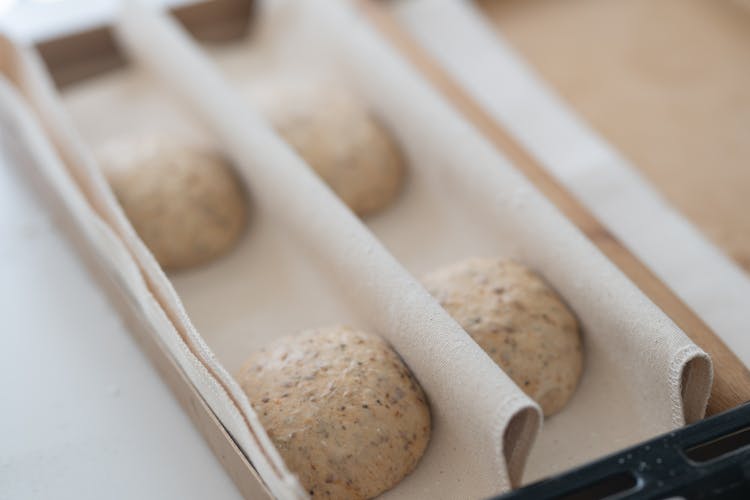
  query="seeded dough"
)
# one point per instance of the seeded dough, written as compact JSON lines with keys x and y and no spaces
{"x":343,"y":409}
{"x":333,"y":131}
{"x":183,"y":200}
{"x":519,"y":321}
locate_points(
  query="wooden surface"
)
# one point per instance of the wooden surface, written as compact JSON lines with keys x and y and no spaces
{"x":731,"y":380}
{"x":667,"y":83}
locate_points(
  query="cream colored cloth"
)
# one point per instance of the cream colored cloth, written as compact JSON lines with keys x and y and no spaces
{"x":457,"y":35}
{"x":306,"y":260}
{"x":636,"y":358}
{"x":476,"y":204}
{"x":468,"y":430}
{"x":462,"y":199}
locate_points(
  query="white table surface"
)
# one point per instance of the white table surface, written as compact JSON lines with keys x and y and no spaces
{"x":83,"y":413}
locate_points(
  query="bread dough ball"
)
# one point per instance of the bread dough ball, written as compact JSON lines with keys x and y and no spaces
{"x":342,"y":408}
{"x":183,"y":199}
{"x":519,"y":321}
{"x":335,"y":133}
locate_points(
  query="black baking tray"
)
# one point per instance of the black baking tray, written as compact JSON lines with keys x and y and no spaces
{"x":707,"y":460}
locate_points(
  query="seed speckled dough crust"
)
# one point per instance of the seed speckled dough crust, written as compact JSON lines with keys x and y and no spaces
{"x":519,"y":321}
{"x":333,"y":131}
{"x":183,"y":200}
{"x":342,"y":408}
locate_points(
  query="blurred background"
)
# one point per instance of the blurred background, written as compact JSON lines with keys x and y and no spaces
{"x":667,"y":83}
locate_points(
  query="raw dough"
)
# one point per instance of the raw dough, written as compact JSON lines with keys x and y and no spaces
{"x":343,"y":409}
{"x":183,"y":199}
{"x":333,"y":131}
{"x":519,"y":321}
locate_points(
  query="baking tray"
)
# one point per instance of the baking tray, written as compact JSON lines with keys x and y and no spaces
{"x":78,"y":56}
{"x":707,"y":460}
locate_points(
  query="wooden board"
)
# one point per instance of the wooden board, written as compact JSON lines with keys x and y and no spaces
{"x":78,"y":56}
{"x":731,"y":378}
